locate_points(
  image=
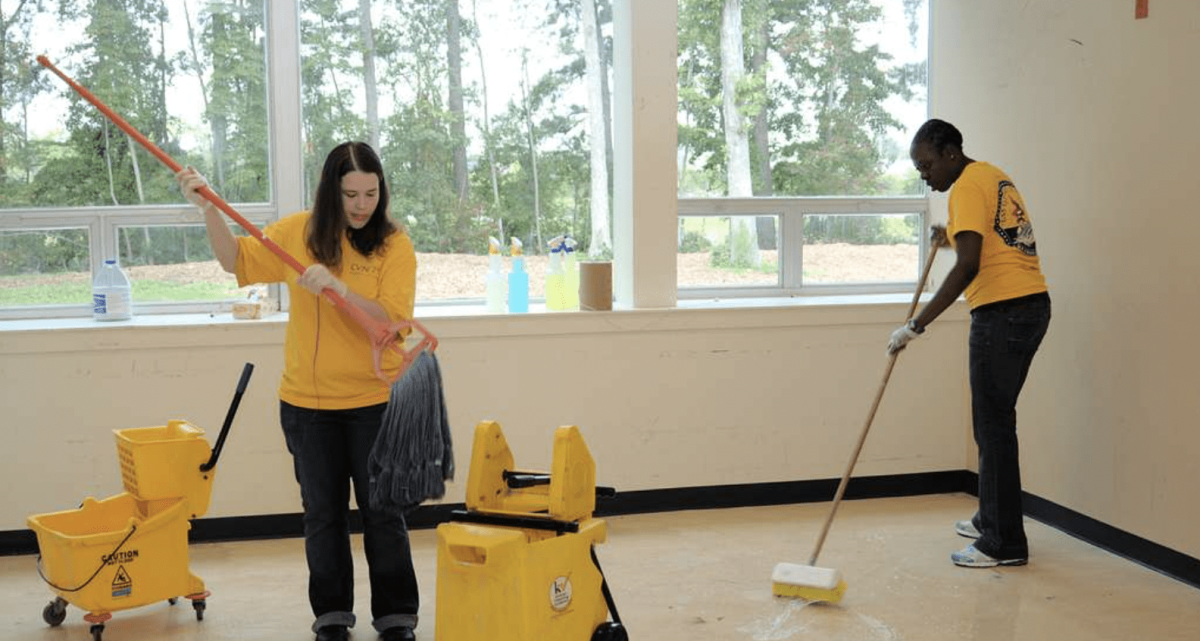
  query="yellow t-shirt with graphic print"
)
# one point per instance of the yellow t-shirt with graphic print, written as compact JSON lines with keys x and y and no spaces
{"x":328,"y":361}
{"x":985,"y":201}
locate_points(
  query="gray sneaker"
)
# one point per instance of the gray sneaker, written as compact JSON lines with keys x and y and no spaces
{"x":969,"y":557}
{"x":966,"y":528}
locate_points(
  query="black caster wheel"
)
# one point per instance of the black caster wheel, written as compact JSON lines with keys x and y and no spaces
{"x":198,"y":605}
{"x":610,"y":631}
{"x":173,"y":600}
{"x":97,"y":631}
{"x":55,"y":612}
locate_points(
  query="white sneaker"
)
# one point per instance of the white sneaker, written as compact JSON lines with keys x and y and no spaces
{"x":966,"y":528}
{"x":969,"y":557}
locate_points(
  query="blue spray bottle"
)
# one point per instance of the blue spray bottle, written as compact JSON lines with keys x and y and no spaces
{"x":518,"y":281}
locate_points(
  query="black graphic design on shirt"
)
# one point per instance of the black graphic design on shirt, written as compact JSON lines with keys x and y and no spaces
{"x":1012,"y":223}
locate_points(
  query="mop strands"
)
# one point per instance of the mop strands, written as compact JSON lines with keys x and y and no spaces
{"x":412,"y":457}
{"x":825,"y":584}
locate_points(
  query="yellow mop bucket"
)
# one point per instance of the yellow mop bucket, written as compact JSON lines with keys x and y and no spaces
{"x":131,"y":549}
{"x":519,"y":563}
{"x":111,"y":555}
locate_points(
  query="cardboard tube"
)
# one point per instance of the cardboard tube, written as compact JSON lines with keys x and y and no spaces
{"x":595,"y":286}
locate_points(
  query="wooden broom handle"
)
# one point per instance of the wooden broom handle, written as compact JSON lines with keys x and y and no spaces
{"x":862,"y":438}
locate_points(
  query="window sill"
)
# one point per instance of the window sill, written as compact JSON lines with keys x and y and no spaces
{"x":468,"y":321}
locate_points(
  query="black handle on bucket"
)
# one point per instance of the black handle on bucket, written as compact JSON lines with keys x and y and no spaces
{"x":237,"y":399}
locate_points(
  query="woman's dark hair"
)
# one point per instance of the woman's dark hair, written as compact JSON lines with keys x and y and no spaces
{"x":328,"y":221}
{"x":938,"y":133}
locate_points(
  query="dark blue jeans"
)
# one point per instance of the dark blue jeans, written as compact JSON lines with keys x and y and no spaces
{"x":1004,"y":338}
{"x":329,"y":451}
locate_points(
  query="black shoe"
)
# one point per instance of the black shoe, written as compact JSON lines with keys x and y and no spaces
{"x":398,"y":633}
{"x":333,"y":633}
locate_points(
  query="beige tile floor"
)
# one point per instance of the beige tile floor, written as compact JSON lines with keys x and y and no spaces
{"x":705,"y":575}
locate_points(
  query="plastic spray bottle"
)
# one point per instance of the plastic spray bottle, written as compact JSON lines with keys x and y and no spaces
{"x":556,"y":285}
{"x":497,"y":286}
{"x":518,"y":281}
{"x":112,"y":295}
{"x":571,"y":270}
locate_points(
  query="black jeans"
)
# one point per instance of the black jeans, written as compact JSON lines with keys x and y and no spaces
{"x":329,"y":451}
{"x":1004,"y":338}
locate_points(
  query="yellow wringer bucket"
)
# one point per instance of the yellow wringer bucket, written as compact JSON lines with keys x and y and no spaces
{"x":518,"y":564}
{"x":131,"y":549}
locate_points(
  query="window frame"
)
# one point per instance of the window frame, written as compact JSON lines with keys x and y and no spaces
{"x":791,"y":212}
{"x":286,"y":168}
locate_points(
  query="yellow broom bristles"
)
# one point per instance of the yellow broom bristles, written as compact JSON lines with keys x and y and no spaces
{"x":807,"y":582}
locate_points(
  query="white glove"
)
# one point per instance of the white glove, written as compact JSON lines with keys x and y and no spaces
{"x":190,"y":181}
{"x":318,"y":278}
{"x":901,"y":337}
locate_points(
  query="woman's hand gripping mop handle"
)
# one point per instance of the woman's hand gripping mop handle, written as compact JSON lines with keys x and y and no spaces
{"x":383,"y":336}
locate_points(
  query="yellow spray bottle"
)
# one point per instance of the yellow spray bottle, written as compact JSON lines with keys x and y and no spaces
{"x":556,"y":285}
{"x":570,"y":274}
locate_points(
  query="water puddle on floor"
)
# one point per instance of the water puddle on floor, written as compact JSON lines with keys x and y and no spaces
{"x":791,"y":617}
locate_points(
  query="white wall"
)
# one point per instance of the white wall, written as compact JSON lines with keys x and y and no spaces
{"x":665,"y":399}
{"x":1091,"y":112}
{"x":1094,"y":115}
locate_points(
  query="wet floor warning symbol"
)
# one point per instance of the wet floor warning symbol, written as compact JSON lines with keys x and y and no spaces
{"x":122,"y":585}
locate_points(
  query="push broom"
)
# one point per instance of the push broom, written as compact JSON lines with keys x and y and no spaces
{"x":412,"y":454}
{"x":826,"y":584}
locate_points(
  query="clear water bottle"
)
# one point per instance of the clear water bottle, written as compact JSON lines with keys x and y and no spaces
{"x":112,"y":295}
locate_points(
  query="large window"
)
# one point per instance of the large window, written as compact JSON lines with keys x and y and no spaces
{"x":490,"y":117}
{"x":493,"y":118}
{"x":76,"y":190}
{"x":794,"y":123}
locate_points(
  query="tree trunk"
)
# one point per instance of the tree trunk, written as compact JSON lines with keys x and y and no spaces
{"x":368,"y":54}
{"x":533,"y":166}
{"x":606,"y":94}
{"x":764,"y":225}
{"x":601,"y":236}
{"x":487,"y":129}
{"x":743,"y":241}
{"x":458,"y":127}
{"x":196,"y":67}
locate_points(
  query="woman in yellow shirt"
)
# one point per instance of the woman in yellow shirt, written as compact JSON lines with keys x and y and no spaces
{"x":997,"y":267}
{"x":331,"y":402}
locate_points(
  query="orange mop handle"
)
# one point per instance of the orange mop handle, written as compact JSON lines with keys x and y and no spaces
{"x":382,"y":336}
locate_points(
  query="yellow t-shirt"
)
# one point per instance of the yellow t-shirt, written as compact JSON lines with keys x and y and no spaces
{"x":985,"y":201}
{"x":328,"y":361}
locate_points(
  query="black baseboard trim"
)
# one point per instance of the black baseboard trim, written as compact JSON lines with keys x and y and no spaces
{"x":1156,"y":557}
{"x":1131,"y":547}
{"x":1159,"y":558}
{"x":781,"y":493}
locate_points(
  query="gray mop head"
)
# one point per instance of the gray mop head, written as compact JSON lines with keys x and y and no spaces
{"x":412,"y":457}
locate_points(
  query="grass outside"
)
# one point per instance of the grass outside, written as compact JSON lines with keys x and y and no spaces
{"x":460,"y":276}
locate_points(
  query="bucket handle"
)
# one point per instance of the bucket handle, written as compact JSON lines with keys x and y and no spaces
{"x":103,"y":562}
{"x":237,"y":399}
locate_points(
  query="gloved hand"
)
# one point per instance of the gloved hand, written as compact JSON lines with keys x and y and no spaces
{"x":901,"y":337}
{"x":318,"y":278}
{"x":190,"y":181}
{"x":937,"y":236}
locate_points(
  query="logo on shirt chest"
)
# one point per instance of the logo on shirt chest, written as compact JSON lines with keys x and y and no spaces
{"x":363,"y":269}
